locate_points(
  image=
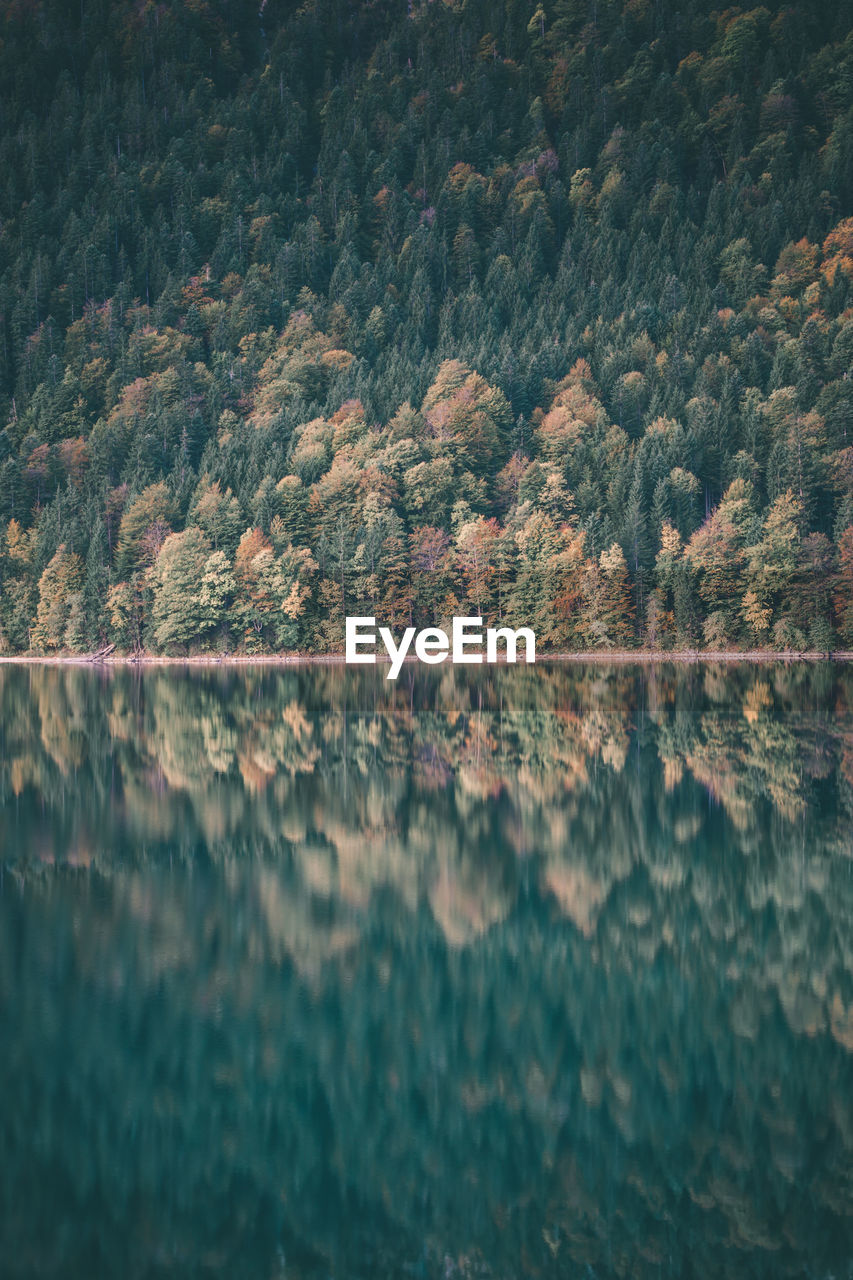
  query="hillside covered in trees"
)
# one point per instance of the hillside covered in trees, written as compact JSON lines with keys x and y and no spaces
{"x":542,"y":311}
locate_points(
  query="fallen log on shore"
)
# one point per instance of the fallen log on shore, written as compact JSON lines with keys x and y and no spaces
{"x":101,"y":654}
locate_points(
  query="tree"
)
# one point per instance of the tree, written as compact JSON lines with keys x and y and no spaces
{"x":178,"y":613}
{"x":75,"y":636}
{"x":253,"y":603}
{"x":151,"y":514}
{"x":217,"y":514}
{"x":467,"y":420}
{"x":124,"y":607}
{"x":740,"y":273}
{"x":218,"y":586}
{"x":842,"y":598}
{"x":95,"y":585}
{"x":545,"y":590}
{"x":291,"y":587}
{"x":675,"y":619}
{"x":381,"y":563}
{"x":431,"y":561}
{"x":716,"y":552}
{"x":771,"y":563}
{"x":812,"y":590}
{"x":608,"y":608}
{"x":58,"y":587}
{"x":475,"y":555}
{"x":272,"y":593}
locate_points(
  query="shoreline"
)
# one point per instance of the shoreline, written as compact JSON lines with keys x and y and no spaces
{"x":596,"y":657}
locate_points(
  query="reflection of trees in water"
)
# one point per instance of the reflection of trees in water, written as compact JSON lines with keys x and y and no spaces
{"x":452,"y":786}
{"x":533,"y":1099}
{"x":535,"y":968}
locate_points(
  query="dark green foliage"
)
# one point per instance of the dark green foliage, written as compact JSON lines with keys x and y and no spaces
{"x":219,"y":229}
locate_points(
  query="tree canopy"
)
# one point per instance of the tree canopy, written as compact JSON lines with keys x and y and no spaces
{"x":545,"y":313}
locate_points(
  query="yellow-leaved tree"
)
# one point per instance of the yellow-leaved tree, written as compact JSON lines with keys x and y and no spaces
{"x":59,"y":588}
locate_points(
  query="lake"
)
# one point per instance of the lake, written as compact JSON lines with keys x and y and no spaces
{"x":513,"y":972}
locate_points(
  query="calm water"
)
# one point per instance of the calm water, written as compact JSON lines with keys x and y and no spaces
{"x":537,"y":972}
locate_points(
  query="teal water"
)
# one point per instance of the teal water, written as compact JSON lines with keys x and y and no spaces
{"x":527,"y":972}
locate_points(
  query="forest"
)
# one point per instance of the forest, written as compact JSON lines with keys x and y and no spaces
{"x":541,"y":312}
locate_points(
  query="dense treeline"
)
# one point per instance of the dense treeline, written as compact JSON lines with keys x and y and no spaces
{"x":536,"y":311}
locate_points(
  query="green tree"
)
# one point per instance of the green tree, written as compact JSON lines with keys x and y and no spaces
{"x":843,"y":594}
{"x":716,"y":552}
{"x":608,"y":608}
{"x":217,"y":514}
{"x":771,"y":564}
{"x":145,"y":523}
{"x":218,"y":586}
{"x":178,"y":614}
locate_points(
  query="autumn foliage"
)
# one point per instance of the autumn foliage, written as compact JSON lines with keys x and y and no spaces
{"x":546,"y":316}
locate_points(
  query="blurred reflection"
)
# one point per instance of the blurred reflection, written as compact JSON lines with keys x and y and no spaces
{"x":497,"y":973}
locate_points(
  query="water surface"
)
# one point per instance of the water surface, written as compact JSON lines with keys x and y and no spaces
{"x":527,"y":972}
